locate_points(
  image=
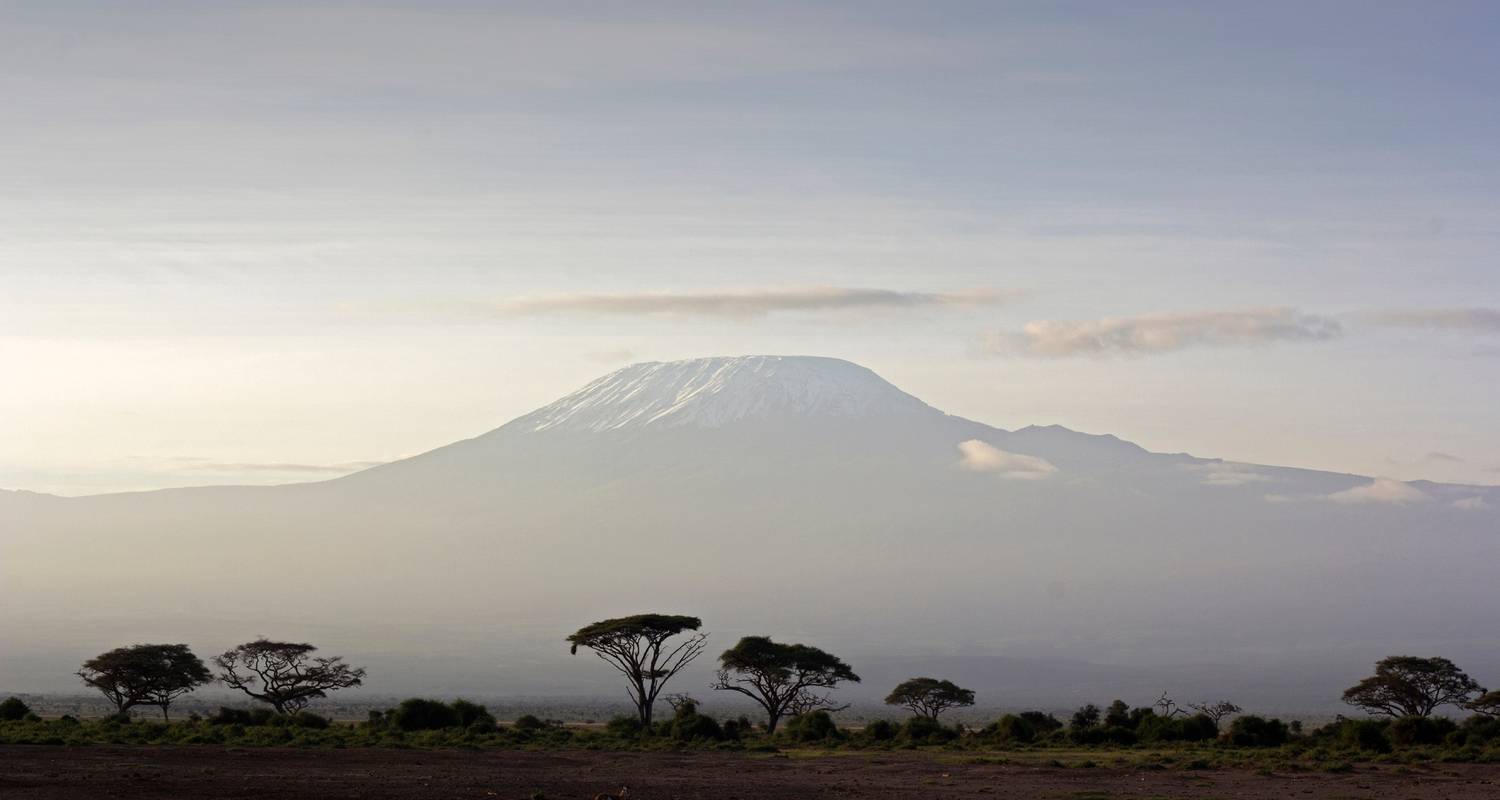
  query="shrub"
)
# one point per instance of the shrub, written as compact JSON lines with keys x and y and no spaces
{"x":1364,"y":734}
{"x":1085,"y":718}
{"x":1197,"y":728}
{"x":1479,"y":730}
{"x":473,"y":716}
{"x":1118,"y":715}
{"x":1010,"y":728}
{"x":417,"y":714}
{"x":688,"y":725}
{"x":1041,"y":722}
{"x":1253,"y":731}
{"x":624,"y":727}
{"x":1155,"y":729}
{"x":813,"y":726}
{"x":307,"y":719}
{"x":243,"y":716}
{"x":926,"y":730}
{"x":1408,"y":731}
{"x":881,"y":730}
{"x":530,"y":722}
{"x":13,"y":709}
{"x":1112,"y":734}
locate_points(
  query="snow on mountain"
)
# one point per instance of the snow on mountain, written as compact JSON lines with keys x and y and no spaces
{"x":713,"y":392}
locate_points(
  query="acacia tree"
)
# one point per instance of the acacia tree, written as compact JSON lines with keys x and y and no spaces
{"x":929,"y":697}
{"x":1085,"y":717}
{"x":1117,"y":715}
{"x":285,"y":674}
{"x":636,"y":647}
{"x":1168,"y":706}
{"x":781,"y":677}
{"x":1216,"y":711}
{"x":1408,"y":686}
{"x":145,"y":675}
{"x":1488,"y":704}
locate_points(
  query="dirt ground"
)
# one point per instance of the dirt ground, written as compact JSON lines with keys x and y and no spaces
{"x":35,"y":772}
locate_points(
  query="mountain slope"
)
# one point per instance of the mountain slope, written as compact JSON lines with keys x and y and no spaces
{"x":794,"y":496}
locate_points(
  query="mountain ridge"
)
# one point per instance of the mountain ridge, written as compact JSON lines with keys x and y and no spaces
{"x":837,"y":510}
{"x":719,"y":391}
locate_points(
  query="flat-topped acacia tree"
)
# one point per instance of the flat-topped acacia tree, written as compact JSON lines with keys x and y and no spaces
{"x":287,"y":675}
{"x":1408,"y":686}
{"x":780,"y":677}
{"x":145,"y":675}
{"x":1488,"y":704}
{"x":636,"y":647}
{"x":929,"y":697}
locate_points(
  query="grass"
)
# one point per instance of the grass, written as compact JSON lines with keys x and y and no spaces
{"x":1307,"y":755}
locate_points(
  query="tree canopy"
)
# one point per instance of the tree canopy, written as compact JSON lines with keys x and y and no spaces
{"x":285,"y":674}
{"x":780,"y":677}
{"x":145,"y":675}
{"x":636,"y":647}
{"x":1408,"y":686}
{"x":1216,"y":711}
{"x":929,"y":697}
{"x":1085,"y":717}
{"x":1488,"y":704}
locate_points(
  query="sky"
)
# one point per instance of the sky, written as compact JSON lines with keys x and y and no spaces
{"x":271,"y":242}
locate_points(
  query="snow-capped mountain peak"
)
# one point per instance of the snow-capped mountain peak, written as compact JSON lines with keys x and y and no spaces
{"x":713,"y":392}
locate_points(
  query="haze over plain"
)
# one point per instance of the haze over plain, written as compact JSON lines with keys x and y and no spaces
{"x":252,"y":244}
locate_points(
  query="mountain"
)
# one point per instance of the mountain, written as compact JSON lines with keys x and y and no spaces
{"x":805,"y":498}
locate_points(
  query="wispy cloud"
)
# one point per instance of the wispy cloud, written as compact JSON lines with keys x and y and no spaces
{"x":982,"y":457}
{"x":1387,"y":491}
{"x":1162,"y":333}
{"x":1475,"y":503}
{"x":1379,"y":491}
{"x":1437,"y":455}
{"x":746,"y":303}
{"x":1231,"y":475}
{"x":1480,"y":320}
{"x":205,"y":465}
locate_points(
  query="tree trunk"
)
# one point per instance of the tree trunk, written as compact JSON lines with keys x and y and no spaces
{"x":164,"y":716}
{"x":771,"y":720}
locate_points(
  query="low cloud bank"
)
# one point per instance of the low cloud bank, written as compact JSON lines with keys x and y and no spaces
{"x":982,"y":457}
{"x":1162,"y":333}
{"x":747,"y":303}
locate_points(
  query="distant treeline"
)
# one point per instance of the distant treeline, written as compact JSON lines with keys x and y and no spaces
{"x":790,"y":683}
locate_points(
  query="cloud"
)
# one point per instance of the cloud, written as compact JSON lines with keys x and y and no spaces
{"x":1379,"y":491}
{"x":277,"y":466}
{"x":1233,"y":477}
{"x":981,"y":457}
{"x":1386,"y":491}
{"x":1481,"y":320}
{"x":1475,"y":503}
{"x":745,"y":303}
{"x":1227,"y":473}
{"x":1162,"y":333}
{"x":1440,"y":456}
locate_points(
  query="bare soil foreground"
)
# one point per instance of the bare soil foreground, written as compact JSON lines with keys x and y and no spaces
{"x":28,"y":772}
